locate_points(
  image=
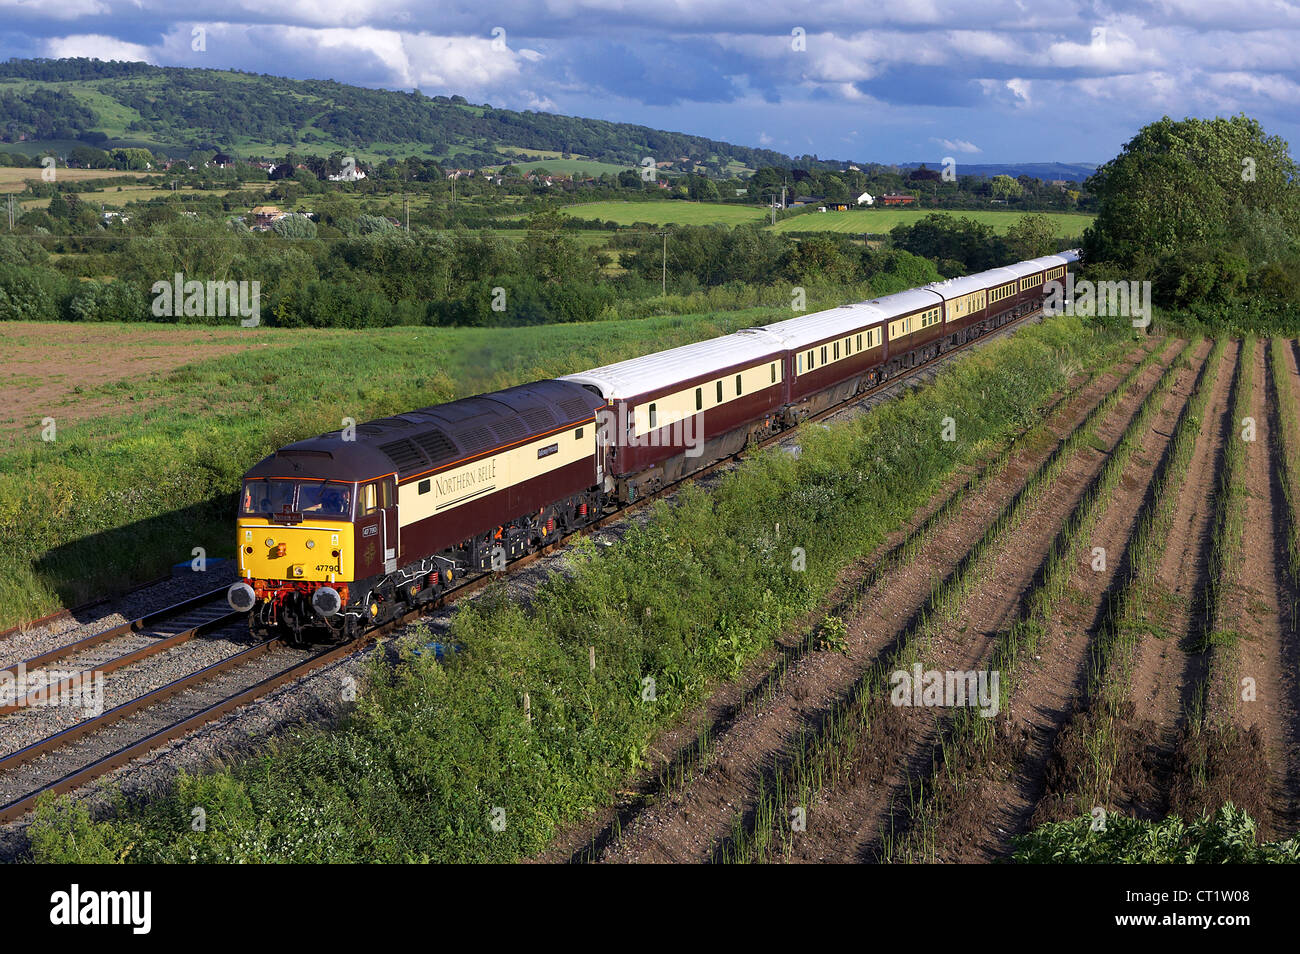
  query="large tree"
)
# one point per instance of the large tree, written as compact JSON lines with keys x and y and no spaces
{"x":1179,"y":184}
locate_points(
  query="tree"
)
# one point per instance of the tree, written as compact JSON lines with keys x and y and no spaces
{"x":1175,"y":184}
{"x":294,"y":226}
{"x":1005,"y":187}
{"x":1031,"y":236}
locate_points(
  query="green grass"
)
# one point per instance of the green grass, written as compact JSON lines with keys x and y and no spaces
{"x":853,"y":222}
{"x":582,"y":167}
{"x":666,"y":213}
{"x":880,"y":221}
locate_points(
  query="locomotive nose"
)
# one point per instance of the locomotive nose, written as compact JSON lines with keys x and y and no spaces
{"x":241,"y":597}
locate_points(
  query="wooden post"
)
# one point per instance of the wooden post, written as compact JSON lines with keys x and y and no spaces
{"x":528,"y":709}
{"x":591,"y":656}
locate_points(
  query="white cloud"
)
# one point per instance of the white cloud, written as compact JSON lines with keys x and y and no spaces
{"x":96,"y":46}
{"x":957,"y":145}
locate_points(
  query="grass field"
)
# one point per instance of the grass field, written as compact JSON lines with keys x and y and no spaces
{"x":665,"y":213}
{"x":856,"y":222}
{"x":878,"y":221}
{"x":13,"y":179}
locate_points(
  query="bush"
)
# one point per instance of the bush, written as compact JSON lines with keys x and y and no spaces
{"x":1227,"y":837}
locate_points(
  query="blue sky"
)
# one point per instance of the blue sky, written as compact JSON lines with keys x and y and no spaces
{"x":998,"y":81}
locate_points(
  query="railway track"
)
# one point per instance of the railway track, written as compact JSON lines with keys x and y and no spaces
{"x":163,"y":714}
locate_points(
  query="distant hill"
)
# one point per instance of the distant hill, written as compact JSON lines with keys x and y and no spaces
{"x":55,"y":104}
{"x":1047,"y":171}
{"x":174,"y":110}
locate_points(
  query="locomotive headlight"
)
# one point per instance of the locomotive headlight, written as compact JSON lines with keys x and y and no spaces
{"x":326,"y":601}
{"x":311,"y":544}
{"x":241,"y":597}
{"x":270,"y":541}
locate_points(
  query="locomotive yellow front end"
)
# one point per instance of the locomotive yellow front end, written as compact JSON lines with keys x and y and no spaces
{"x":296,"y":555}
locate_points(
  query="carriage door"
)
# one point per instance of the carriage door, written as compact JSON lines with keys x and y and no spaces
{"x":379,"y":504}
{"x":386,"y":489}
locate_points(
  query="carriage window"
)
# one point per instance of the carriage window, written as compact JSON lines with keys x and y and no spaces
{"x":719,"y":392}
{"x":652,"y":416}
{"x":799,"y":370}
{"x":699,"y":399}
{"x":737,"y":385}
{"x":859,"y":342}
{"x":823,"y":354}
{"x":837,"y":351}
{"x":774,"y":372}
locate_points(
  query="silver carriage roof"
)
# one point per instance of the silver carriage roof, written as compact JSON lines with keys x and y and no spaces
{"x":809,"y":329}
{"x":653,"y":372}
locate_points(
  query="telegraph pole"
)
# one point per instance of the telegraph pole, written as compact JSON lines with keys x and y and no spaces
{"x":663,"y":279}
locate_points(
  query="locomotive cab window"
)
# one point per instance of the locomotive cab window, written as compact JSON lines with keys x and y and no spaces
{"x":377,"y":495}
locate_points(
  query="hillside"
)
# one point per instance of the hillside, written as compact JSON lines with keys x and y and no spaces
{"x":1047,"y":171}
{"x":174,"y":110}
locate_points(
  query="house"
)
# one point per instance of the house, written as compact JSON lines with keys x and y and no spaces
{"x":265,"y":215}
{"x":350,"y":174}
{"x":895,"y":199}
{"x":223,"y":161}
{"x":866,"y":199}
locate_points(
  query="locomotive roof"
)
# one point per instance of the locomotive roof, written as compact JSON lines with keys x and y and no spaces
{"x":653,"y":372}
{"x":430,"y":437}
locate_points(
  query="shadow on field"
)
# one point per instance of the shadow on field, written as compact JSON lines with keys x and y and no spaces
{"x":110,"y":562}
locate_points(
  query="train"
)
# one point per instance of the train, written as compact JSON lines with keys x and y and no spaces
{"x":348,"y":530}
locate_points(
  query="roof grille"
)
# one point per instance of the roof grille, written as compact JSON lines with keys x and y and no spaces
{"x":404,"y":455}
{"x":574,"y":408}
{"x":538,"y":418}
{"x":509,"y":429}
{"x":437,"y":445}
{"x":476,"y":439}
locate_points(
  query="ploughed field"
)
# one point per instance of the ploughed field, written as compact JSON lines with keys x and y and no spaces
{"x":1116,"y":588}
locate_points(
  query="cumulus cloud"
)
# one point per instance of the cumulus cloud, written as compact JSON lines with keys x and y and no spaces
{"x":913,"y":65}
{"x":96,"y":46}
{"x":957,"y":145}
